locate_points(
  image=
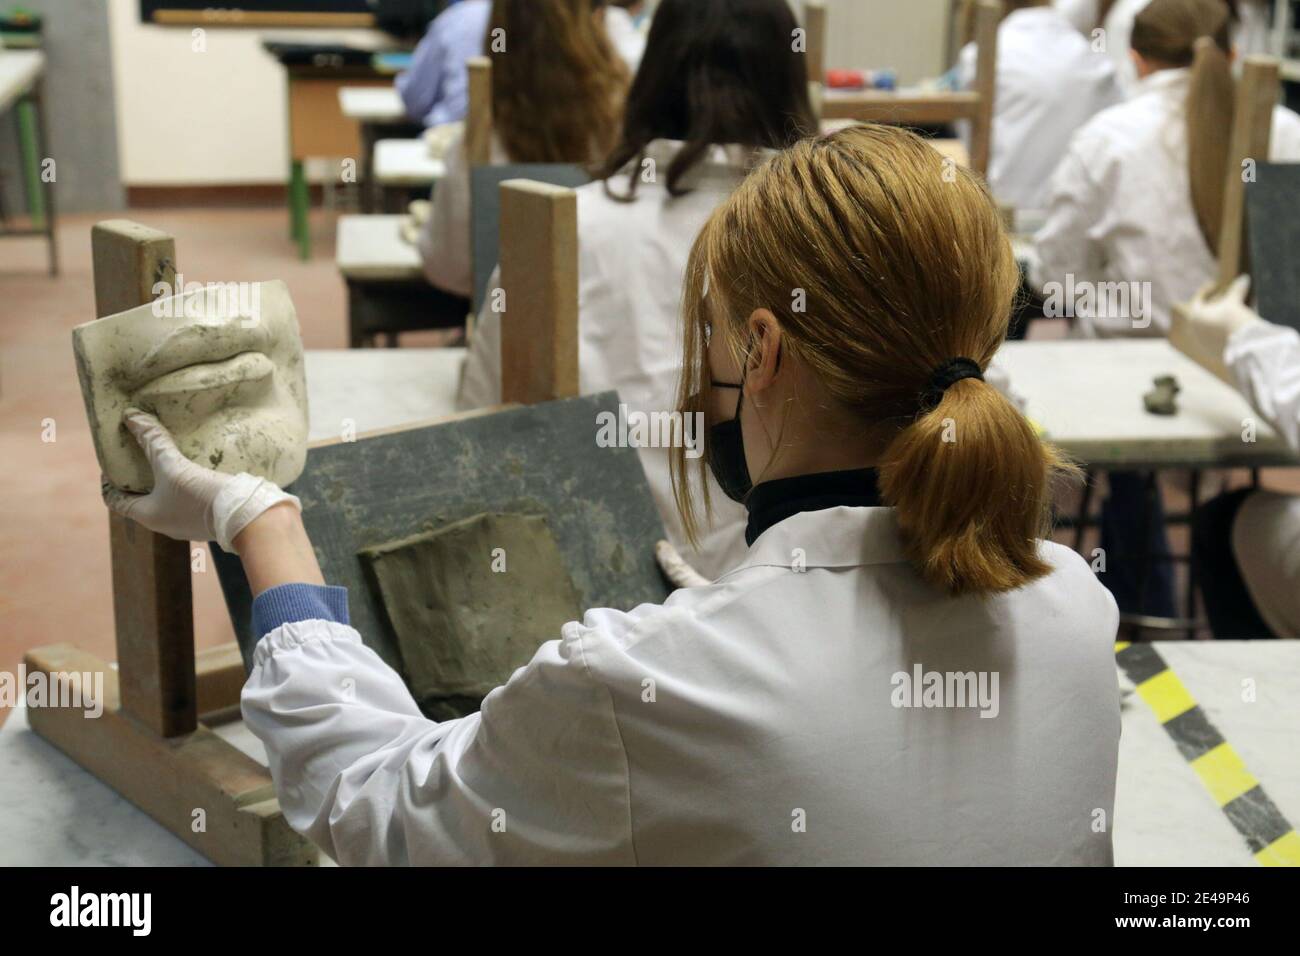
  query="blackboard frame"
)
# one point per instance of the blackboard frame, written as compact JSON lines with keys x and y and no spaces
{"x":259,"y":13}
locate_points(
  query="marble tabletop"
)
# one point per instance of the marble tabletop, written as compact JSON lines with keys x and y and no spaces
{"x":406,"y":162}
{"x":1087,"y":396}
{"x":54,"y":813}
{"x":372,"y":104}
{"x":372,"y":248}
{"x":19,"y":69}
{"x":364,"y":390}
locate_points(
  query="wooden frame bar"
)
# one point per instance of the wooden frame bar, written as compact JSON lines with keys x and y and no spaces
{"x":148,"y":743}
{"x":814,"y":25}
{"x":478,"y":123}
{"x":1252,"y":128}
{"x":539,"y":277}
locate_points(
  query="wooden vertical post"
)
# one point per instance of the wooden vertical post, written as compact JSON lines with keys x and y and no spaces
{"x":814,"y":26}
{"x":478,"y":124}
{"x":152,"y":599}
{"x":539,"y":277}
{"x":988,"y":15}
{"x":1252,"y":127}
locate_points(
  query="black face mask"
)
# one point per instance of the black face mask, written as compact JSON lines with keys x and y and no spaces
{"x":727,"y":451}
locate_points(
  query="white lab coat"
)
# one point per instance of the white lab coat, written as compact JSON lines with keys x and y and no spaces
{"x":1265,"y":361}
{"x":1118,"y":32}
{"x":444,"y":240}
{"x":631,"y":267}
{"x":624,"y":35}
{"x":751,"y":721}
{"x":1120,"y":208}
{"x":1082,"y":14}
{"x":1049,"y":84}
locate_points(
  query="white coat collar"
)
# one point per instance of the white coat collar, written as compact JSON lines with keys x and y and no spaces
{"x":722,"y":163}
{"x":842,"y":537}
{"x":1163,"y":81}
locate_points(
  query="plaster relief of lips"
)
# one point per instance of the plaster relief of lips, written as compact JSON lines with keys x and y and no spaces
{"x":206,"y":388}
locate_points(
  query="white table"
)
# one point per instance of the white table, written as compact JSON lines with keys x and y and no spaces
{"x":21,"y":72}
{"x":406,"y":164}
{"x":370,"y":389}
{"x":1087,"y":395}
{"x":371,"y":248}
{"x":54,"y":813}
{"x":372,"y":104}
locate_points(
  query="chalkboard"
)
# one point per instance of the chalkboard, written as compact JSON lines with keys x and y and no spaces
{"x":258,"y":12}
{"x":1273,"y":234}
{"x":536,"y":460}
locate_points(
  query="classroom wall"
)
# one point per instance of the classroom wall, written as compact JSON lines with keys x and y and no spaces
{"x":203,"y":118}
{"x":79,"y":112}
{"x":866,"y":33}
{"x":218,"y":117}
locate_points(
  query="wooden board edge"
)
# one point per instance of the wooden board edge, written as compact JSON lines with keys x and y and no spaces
{"x":170,"y":780}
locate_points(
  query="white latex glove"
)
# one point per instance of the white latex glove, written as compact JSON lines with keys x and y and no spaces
{"x":675,"y":568}
{"x":189,"y":502}
{"x":1213,"y":321}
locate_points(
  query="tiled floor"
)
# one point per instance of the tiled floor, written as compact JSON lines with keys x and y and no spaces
{"x":54,"y":567}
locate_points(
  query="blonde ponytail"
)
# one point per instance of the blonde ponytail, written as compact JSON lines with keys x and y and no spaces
{"x":1210,"y":105}
{"x":882,"y":263}
{"x":1197,"y":34}
{"x":969,"y":480}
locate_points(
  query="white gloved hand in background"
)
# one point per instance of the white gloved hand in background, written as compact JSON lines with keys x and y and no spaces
{"x":1213,"y":321}
{"x":189,"y":502}
{"x":675,"y":569}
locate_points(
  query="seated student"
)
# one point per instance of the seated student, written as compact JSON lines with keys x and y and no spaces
{"x":628,"y":38}
{"x":1049,"y":83}
{"x":557,"y":95}
{"x":1083,"y":15}
{"x":1247,"y":543}
{"x":718,"y":81}
{"x":909,"y":675}
{"x":1139,"y":193}
{"x":435,"y":88}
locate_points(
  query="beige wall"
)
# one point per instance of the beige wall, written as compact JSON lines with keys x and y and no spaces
{"x":189,"y":118}
{"x":907,"y":35}
{"x":201,"y":118}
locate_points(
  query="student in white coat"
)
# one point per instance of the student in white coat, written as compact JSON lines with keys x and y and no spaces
{"x":1133,"y":227}
{"x":719,"y":83}
{"x":927,"y":683}
{"x":1247,"y":542}
{"x":1138,"y":196}
{"x":557,"y":95}
{"x":1049,"y":83}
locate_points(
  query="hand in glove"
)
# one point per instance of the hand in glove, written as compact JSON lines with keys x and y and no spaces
{"x":1213,"y":321}
{"x":189,"y":502}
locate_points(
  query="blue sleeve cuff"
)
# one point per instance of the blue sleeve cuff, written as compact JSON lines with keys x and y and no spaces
{"x":290,"y":603}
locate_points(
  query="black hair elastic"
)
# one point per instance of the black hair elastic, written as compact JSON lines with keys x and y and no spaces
{"x":945,"y":375}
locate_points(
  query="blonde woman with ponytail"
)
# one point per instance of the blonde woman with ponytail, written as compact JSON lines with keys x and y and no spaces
{"x":901,"y":671}
{"x":1138,"y":195}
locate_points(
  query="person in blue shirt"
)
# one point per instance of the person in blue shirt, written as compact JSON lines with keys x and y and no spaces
{"x":435,"y":89}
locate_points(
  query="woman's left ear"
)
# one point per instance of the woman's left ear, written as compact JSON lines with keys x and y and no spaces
{"x":764,"y":361}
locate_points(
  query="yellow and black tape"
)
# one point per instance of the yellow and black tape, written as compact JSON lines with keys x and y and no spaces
{"x":1267,"y":832}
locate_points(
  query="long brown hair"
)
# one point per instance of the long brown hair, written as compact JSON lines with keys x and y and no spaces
{"x":904,"y":264}
{"x":1196,"y":33}
{"x":714,"y":72}
{"x":557,"y":83}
